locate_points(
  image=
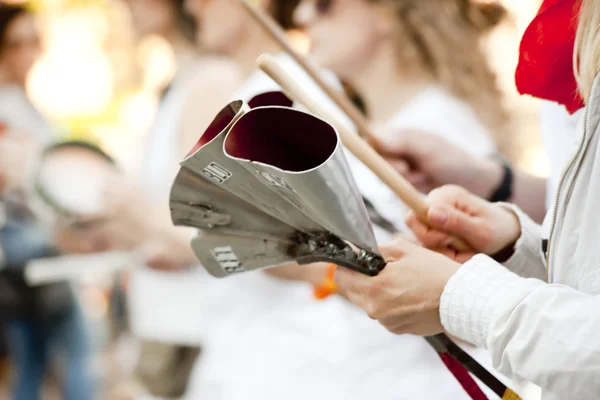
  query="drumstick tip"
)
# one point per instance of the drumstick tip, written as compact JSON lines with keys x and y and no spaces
{"x":264,"y":58}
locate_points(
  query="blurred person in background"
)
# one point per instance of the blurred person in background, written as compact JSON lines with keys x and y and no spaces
{"x":170,"y":341}
{"x":447,"y":95}
{"x":269,"y":338}
{"x":46,"y":323}
{"x":418,"y":158}
{"x":226,"y":28}
{"x":420,"y":68}
{"x":137,"y":214}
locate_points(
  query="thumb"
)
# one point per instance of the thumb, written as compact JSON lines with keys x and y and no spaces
{"x":448,"y":219}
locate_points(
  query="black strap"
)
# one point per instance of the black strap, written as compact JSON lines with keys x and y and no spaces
{"x":545,"y":247}
{"x":504,"y":191}
{"x":469,"y":363}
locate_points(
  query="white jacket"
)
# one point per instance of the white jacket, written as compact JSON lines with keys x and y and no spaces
{"x":548,"y":333}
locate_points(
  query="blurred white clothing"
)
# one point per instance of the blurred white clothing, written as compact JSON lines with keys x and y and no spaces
{"x":164,"y":306}
{"x":270,"y":340}
{"x":434,"y":111}
{"x":17,"y":112}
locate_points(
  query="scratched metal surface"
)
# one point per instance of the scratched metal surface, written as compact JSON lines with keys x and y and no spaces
{"x":322,"y":188}
{"x":262,"y":197}
{"x":224,"y":255}
{"x":210,"y":163}
{"x":197,"y":203}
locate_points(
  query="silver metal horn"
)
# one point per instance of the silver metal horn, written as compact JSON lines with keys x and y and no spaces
{"x":300,"y":157}
{"x":269,"y":186}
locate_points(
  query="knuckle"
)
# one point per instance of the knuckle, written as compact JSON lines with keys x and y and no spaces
{"x":453,"y":190}
{"x":373,"y":310}
{"x":374,"y":296}
{"x":397,"y":330}
{"x":486,"y":235}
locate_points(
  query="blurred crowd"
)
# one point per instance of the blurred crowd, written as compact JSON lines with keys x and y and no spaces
{"x":419,"y":70}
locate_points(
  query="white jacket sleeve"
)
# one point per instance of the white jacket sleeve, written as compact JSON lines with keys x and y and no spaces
{"x":528,"y":259}
{"x":545,"y":333}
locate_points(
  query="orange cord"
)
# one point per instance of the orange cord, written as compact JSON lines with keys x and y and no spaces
{"x":328,"y":287}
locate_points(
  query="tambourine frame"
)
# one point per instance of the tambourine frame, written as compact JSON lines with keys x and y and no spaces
{"x":38,"y":187}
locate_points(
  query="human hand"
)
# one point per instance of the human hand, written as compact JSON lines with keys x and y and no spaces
{"x":428,"y":161}
{"x":170,"y":252}
{"x":127,"y":221}
{"x":405,"y":296}
{"x":453,"y":211}
{"x":130,"y":222}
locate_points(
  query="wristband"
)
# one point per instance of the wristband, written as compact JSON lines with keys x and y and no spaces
{"x":504,"y":191}
{"x":328,"y":286}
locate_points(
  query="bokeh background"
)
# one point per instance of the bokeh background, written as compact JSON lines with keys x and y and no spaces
{"x":95,"y":79}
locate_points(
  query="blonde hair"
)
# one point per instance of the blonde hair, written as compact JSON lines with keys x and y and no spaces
{"x":443,"y":39}
{"x":586,"y":57}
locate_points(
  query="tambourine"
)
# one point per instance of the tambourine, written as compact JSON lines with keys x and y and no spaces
{"x":70,"y":178}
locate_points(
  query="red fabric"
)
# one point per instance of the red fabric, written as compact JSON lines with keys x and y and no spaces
{"x":545,"y":67}
{"x":463,"y":377}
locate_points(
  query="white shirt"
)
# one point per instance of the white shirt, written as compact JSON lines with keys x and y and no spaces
{"x":433,"y":111}
{"x":17,"y":112}
{"x":164,"y":305}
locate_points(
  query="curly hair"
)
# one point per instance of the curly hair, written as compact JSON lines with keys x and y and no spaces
{"x":443,"y":39}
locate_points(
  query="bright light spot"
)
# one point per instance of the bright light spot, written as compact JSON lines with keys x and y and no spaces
{"x":80,"y":86}
{"x":158,"y":60}
{"x":536,"y":161}
{"x":137,"y":112}
{"x":299,"y":40}
{"x":74,"y":77}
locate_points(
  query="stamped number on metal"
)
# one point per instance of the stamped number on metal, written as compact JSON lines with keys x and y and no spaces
{"x":227,"y":259}
{"x":216,"y":173}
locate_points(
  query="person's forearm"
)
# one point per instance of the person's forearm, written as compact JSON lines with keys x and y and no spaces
{"x":528,"y":191}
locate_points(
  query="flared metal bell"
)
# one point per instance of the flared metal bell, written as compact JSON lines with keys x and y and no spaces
{"x":268,"y":186}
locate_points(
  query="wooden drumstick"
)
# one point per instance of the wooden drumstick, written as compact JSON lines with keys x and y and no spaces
{"x":278,"y":34}
{"x":357,"y":146}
